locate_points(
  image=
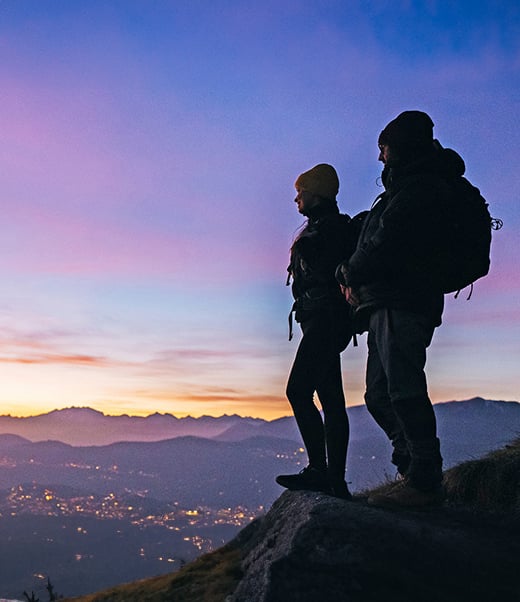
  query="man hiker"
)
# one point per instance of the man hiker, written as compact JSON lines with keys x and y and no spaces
{"x":324,"y":317}
{"x":389,"y":280}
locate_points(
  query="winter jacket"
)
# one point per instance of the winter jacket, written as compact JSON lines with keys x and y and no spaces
{"x":315,"y":254}
{"x":397,"y":245}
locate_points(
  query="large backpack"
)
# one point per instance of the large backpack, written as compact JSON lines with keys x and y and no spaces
{"x":464,"y":253}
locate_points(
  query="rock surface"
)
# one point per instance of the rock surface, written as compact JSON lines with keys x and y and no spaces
{"x":314,"y":548}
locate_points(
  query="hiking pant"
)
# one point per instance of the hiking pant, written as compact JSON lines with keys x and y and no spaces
{"x":317,"y":368}
{"x":397,"y":396}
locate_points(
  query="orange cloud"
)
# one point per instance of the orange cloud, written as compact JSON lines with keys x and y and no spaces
{"x":215,"y":402}
{"x":55,"y":358}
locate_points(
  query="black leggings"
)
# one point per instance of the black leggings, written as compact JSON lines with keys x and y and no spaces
{"x":317,"y":368}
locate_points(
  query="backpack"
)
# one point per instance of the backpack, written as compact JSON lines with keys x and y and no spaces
{"x":464,"y":256}
{"x":356,"y":225}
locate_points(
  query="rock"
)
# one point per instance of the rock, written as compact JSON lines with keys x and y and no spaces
{"x":314,"y":548}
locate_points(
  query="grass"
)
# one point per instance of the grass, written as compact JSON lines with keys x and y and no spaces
{"x":491,"y":484}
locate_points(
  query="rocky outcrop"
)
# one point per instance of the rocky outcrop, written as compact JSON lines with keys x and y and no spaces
{"x":314,"y":548}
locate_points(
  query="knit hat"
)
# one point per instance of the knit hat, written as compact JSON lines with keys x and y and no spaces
{"x":409,"y":130}
{"x":322,"y":180}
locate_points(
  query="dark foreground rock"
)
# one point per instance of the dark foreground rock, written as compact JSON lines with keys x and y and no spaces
{"x":314,"y":548}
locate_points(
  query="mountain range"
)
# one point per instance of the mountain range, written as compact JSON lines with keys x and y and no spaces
{"x":227,"y":460}
{"x":85,"y":426}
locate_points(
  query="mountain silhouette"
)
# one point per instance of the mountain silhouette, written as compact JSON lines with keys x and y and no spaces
{"x":238,"y":464}
{"x":85,"y":426}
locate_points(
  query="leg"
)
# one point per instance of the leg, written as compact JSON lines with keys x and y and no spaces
{"x":332,"y":398}
{"x":317,"y":367}
{"x":378,"y":401}
{"x":300,"y":391}
{"x":402,"y":338}
{"x":330,"y":392}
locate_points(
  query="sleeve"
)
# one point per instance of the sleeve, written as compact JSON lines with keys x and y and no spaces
{"x":404,"y":233}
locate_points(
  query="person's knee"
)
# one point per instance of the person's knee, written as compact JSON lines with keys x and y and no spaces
{"x":417,"y":416}
{"x":418,"y":406}
{"x":335,"y":412}
{"x":375,"y":402}
{"x":298,"y":394}
{"x":291,"y":392}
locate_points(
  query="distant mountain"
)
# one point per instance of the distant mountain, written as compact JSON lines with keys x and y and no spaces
{"x":238,"y":465}
{"x":476,"y":424}
{"x":10,"y":441}
{"x":471,"y":428}
{"x":281,"y":428}
{"x":84,"y":426}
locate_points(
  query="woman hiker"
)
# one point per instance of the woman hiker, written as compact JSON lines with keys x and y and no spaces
{"x":324,"y":316}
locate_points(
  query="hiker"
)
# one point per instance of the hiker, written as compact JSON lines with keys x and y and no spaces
{"x":324,"y":317}
{"x":389,"y":281}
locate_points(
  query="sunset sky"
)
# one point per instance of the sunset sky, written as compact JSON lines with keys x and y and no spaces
{"x":148,"y":150}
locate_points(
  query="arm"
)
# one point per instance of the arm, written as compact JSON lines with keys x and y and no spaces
{"x":399,"y":235}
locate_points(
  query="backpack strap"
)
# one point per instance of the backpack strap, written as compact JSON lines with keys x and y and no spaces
{"x":470,"y":292}
{"x":293,"y":309}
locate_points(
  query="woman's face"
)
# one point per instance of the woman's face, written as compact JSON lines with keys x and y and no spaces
{"x":305,"y":200}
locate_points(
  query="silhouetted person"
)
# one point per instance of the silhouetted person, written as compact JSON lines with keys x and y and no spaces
{"x":324,"y":316}
{"x":387,"y":278}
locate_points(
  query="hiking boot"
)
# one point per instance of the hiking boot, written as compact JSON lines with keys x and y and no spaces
{"x":403,"y":495}
{"x":339,"y":489}
{"x":310,"y":479}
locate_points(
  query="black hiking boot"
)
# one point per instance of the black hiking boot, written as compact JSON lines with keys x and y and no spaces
{"x":308,"y":479}
{"x":339,"y":489}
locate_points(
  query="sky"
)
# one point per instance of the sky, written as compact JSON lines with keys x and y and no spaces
{"x":148,"y":151}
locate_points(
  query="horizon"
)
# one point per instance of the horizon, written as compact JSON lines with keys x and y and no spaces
{"x":225,"y":415}
{"x":148,"y":155}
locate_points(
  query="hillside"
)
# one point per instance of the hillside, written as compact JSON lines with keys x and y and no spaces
{"x":312,"y":547}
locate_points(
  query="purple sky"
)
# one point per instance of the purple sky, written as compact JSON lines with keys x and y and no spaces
{"x":147,"y":155}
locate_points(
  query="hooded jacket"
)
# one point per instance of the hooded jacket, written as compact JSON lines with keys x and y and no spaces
{"x":391,"y":266}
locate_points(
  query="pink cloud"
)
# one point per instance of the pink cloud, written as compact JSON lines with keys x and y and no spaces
{"x":45,"y":348}
{"x":84,"y":360}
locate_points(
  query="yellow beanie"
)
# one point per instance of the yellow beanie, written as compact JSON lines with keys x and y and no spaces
{"x":322,"y":180}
